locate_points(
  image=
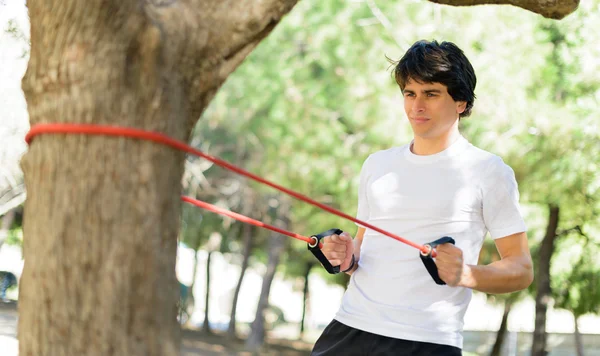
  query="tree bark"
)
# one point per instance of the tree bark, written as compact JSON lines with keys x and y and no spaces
{"x":7,"y":220}
{"x":578,"y":338}
{"x":102,"y":213}
{"x":305,"y":298}
{"x":502,"y":331}
{"x":543,"y":290}
{"x":257,"y":334}
{"x":247,"y":231}
{"x":556,"y":9}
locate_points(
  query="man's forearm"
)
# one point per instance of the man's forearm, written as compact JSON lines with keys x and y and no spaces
{"x":505,"y":276}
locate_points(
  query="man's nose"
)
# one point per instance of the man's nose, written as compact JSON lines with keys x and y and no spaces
{"x":418,"y":105}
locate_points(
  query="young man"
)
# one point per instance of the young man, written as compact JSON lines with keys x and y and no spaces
{"x":438,"y":185}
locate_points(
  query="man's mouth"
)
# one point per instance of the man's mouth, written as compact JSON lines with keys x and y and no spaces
{"x":420,"y":120}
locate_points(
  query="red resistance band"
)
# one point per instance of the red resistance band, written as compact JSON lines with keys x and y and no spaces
{"x":88,"y":129}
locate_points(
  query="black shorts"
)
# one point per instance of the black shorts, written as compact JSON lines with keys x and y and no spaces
{"x":339,"y":339}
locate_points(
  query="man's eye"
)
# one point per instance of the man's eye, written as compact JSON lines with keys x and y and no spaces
{"x":430,"y":95}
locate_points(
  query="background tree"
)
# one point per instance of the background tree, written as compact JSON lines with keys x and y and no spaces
{"x":561,"y":176}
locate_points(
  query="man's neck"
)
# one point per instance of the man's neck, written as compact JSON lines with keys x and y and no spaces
{"x":428,"y":146}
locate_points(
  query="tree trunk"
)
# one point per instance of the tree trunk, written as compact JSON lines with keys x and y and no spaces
{"x":247,"y":231}
{"x":206,"y":324}
{"x":501,"y":335}
{"x":102,"y":213}
{"x":305,"y":298}
{"x":7,"y":221}
{"x":257,"y":334}
{"x":578,"y":338}
{"x":543,"y":291}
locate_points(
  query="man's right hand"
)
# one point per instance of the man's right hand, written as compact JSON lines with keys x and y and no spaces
{"x":338,"y":250}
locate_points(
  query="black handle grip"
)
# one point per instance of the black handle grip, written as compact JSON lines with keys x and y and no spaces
{"x":314,"y":248}
{"x":428,"y":260}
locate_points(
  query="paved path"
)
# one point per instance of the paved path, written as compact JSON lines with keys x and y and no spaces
{"x":192,"y":343}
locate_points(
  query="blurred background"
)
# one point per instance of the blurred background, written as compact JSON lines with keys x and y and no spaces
{"x":307,"y":117}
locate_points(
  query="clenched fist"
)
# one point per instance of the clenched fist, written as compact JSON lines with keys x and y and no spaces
{"x":338,"y":250}
{"x":450,"y":263}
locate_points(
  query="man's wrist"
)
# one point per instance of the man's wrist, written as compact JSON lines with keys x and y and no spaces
{"x":352,"y":265}
{"x":466,"y":279}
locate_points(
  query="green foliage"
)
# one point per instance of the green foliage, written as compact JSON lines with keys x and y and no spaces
{"x":556,"y":163}
{"x":15,"y":237}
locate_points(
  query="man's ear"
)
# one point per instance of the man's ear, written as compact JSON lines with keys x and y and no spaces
{"x":461,"y":106}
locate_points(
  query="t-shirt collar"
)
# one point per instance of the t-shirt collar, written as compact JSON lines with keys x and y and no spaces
{"x":454,"y":149}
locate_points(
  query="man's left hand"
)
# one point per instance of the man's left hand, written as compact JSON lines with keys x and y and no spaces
{"x":450,"y":263}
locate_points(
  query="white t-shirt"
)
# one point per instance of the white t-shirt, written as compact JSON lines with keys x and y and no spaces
{"x":462,"y":192}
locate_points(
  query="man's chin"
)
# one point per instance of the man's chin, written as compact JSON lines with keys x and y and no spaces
{"x":421,"y":133}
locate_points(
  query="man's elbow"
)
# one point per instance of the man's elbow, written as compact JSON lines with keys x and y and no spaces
{"x":526,"y":277}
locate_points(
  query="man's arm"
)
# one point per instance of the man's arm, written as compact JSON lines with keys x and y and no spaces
{"x":357,"y":243}
{"x":512,"y":273}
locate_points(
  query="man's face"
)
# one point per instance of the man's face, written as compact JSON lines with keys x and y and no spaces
{"x":431,"y":111}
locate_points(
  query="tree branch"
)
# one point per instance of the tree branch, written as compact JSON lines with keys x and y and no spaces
{"x":385,"y":22}
{"x":553,"y":9}
{"x":210,"y":39}
{"x":574,"y":228}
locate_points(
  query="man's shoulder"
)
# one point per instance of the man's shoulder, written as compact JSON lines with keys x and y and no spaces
{"x":486,"y":162}
{"x":479,"y":155}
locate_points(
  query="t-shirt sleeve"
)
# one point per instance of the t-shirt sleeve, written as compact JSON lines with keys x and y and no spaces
{"x":501,"y":210}
{"x":362,"y":212}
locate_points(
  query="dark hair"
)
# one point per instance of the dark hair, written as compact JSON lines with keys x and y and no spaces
{"x":445,"y":63}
